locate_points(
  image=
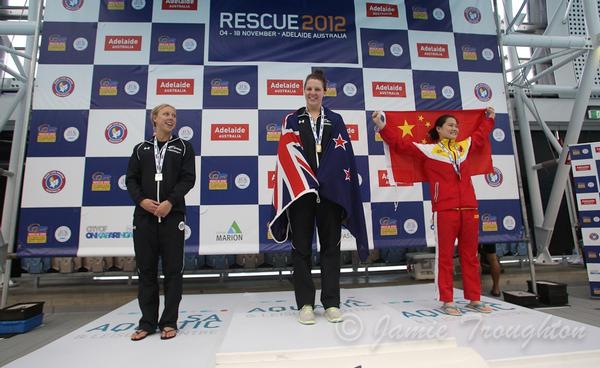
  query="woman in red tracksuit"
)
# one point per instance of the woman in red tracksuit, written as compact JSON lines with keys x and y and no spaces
{"x":448,"y":170}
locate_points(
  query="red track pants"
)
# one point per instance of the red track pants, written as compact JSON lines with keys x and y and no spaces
{"x":464,"y":225}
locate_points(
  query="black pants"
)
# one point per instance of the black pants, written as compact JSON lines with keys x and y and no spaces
{"x":152,"y":240}
{"x":328,"y":215}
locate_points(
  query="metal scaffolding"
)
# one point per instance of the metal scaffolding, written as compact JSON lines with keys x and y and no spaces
{"x":26,"y":63}
{"x":561,"y":50}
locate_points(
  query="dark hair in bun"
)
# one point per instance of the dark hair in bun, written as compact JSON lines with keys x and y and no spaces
{"x":319,"y":75}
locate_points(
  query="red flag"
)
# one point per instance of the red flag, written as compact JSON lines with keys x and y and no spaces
{"x":413,"y":126}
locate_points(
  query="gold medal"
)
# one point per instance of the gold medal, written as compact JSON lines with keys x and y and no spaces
{"x":318,"y":148}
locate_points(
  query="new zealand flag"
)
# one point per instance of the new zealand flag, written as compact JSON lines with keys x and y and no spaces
{"x":336,"y":180}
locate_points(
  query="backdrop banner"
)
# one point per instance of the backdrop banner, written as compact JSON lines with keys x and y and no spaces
{"x":234,"y":69}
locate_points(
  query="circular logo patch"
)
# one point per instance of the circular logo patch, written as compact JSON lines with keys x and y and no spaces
{"x":115,"y":132}
{"x":80,"y":43}
{"x":54,"y":181}
{"x":63,"y":86}
{"x":62,"y":234}
{"x":242,"y":88}
{"x":71,"y":134}
{"x":483,"y":92}
{"x":242,"y":181}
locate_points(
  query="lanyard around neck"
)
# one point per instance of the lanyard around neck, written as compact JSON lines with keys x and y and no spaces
{"x":454,"y":157}
{"x":159,"y":155}
{"x":318,"y":135}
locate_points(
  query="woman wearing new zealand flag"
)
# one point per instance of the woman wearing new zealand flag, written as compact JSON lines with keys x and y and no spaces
{"x":160,"y":172}
{"x":317,"y":182}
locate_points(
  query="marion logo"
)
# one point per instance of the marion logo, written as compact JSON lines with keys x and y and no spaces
{"x":63,"y":86}
{"x":352,"y":131}
{"x":115,"y":132}
{"x":229,"y":132}
{"x":382,"y":10}
{"x":389,"y":89}
{"x":72,"y":5}
{"x":284,"y":87}
{"x":122,"y":43}
{"x":54,"y":181}
{"x":57,"y":43}
{"x":174,"y":86}
{"x":583,"y":167}
{"x":179,"y":4}
{"x":433,"y":50}
{"x":234,"y":233}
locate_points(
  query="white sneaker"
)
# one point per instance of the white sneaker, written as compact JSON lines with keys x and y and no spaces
{"x":306,"y":315}
{"x":333,"y":314}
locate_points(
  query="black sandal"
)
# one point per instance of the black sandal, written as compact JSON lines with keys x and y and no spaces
{"x":137,"y":333}
{"x":165,"y":333}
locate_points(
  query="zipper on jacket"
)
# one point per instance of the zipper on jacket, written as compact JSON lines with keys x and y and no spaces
{"x":436,"y":191}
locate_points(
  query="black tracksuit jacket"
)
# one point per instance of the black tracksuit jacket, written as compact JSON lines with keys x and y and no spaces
{"x":179,"y":174}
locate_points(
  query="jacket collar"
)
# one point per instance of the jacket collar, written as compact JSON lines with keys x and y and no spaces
{"x":303,"y":113}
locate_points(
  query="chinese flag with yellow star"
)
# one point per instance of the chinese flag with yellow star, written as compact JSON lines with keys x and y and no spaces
{"x":413,"y":126}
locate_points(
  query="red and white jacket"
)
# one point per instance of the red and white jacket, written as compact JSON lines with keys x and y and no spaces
{"x":448,"y":189}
